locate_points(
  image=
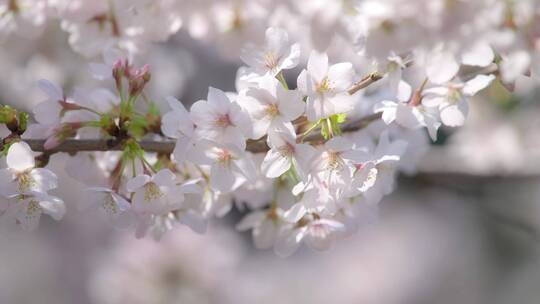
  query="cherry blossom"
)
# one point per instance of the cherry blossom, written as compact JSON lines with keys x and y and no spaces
{"x":326,"y":87}
{"x":265,"y":225}
{"x":271,"y":106}
{"x":285,"y":154}
{"x":221,"y":120}
{"x":408,"y":115}
{"x":276,"y":55}
{"x":178,"y":124}
{"x":29,"y":209}
{"x":157,"y":194}
{"x":450,"y":99}
{"x":21,"y":176}
{"x":109,"y":204}
{"x":229,"y":166}
{"x":317,"y":232}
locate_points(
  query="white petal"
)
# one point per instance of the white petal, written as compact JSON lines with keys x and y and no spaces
{"x":292,"y":58}
{"x":92,"y":197}
{"x":251,"y":220}
{"x":341,"y":76}
{"x":455,"y":115}
{"x":221,"y":178}
{"x":181,"y":149}
{"x":191,"y":186}
{"x":477,"y":84}
{"x":54,"y":207}
{"x":288,"y":242}
{"x":480,"y":55}
{"x":137,"y":182}
{"x":275,"y":164}
{"x":295,"y":213}
{"x":404,"y":91}
{"x":441,"y":67}
{"x":47,"y":112}
{"x":246,"y":166}
{"x":305,"y":83}
{"x":218,"y":98}
{"x":54,"y":92}
{"x":20,"y":157}
{"x":318,"y":65}
{"x":406,"y":117}
{"x":339,"y":144}
{"x":514,"y":65}
{"x":433,"y":101}
{"x":265,"y":235}
{"x":164,"y":177}
{"x":195,"y":221}
{"x":8,"y":187}
{"x":290,"y":105}
{"x":45,"y":180}
{"x":276,"y":38}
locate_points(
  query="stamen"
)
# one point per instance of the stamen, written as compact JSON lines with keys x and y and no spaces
{"x":152,"y":192}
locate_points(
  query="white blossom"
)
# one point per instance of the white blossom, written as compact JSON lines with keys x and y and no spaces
{"x":221,"y":120}
{"x":271,"y":106}
{"x":326,"y":87}
{"x":276,"y":55}
{"x":21,"y":176}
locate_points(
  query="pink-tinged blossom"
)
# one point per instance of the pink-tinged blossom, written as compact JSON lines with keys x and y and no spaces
{"x":221,"y":120}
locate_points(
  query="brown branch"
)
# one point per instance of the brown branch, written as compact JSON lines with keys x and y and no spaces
{"x":365,"y":82}
{"x":80,"y":145}
{"x":167,"y":146}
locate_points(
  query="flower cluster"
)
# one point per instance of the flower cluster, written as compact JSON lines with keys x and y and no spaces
{"x":25,"y":188}
{"x":258,"y":147}
{"x":307,"y":156}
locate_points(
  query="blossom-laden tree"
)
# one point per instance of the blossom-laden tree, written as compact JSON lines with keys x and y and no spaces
{"x":308,"y":163}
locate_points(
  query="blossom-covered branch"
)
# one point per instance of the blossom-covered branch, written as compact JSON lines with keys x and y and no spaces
{"x":308,"y":159}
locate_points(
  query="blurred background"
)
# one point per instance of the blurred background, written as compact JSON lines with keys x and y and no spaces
{"x":464,"y":229}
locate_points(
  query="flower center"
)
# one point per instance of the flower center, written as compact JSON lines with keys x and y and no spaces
{"x":152,"y":192}
{"x":270,"y":61}
{"x":109,"y":205}
{"x":224,"y":157}
{"x":334,"y":161}
{"x":286,"y":150}
{"x":453,"y":95}
{"x":318,"y":230}
{"x":33,"y":210}
{"x":223,"y":121}
{"x":323,"y":86}
{"x":271,"y":110}
{"x":24,"y":182}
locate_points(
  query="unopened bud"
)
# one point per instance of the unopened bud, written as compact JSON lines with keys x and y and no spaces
{"x":138,"y":80}
{"x":118,"y":69}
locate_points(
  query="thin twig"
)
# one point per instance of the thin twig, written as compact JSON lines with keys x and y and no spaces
{"x":365,"y":82}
